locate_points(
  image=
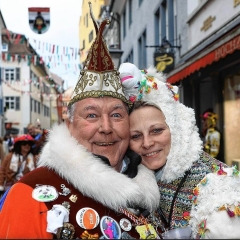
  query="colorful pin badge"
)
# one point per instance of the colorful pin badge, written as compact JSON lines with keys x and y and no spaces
{"x":125,"y":224}
{"x":87,"y":218}
{"x":45,"y":193}
{"x":147,"y":232}
{"x":110,"y":228}
{"x":66,"y":231}
{"x":73,"y":198}
{"x":65,"y":190}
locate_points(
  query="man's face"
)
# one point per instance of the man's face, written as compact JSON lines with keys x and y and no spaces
{"x":102,"y":126}
{"x":31,"y":130}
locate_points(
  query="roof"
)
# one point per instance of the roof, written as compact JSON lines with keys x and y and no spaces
{"x":16,"y":48}
{"x":58,"y":80}
{"x":1,"y":16}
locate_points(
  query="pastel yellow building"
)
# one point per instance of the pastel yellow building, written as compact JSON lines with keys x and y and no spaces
{"x":87,"y":32}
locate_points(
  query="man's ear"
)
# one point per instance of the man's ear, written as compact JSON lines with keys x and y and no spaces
{"x":67,"y":121}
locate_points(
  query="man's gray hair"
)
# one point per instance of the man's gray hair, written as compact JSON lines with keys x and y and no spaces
{"x":70,"y":112}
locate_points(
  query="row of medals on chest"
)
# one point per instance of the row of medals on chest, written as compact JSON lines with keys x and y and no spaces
{"x":88,"y":218}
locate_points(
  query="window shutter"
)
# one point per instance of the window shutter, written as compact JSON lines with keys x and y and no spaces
{"x":2,"y":75}
{"x":17,"y":101}
{"x":17,"y":74}
{"x":1,"y":106}
{"x":31,"y":105}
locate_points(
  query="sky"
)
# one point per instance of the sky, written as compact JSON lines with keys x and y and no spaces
{"x":63,"y":32}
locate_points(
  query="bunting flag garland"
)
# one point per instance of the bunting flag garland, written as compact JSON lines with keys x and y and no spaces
{"x":65,"y":55}
{"x":41,"y":94}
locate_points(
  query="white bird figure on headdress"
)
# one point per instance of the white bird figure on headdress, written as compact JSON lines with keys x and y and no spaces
{"x":130,"y":76}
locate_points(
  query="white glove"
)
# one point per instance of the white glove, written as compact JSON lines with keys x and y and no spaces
{"x":56,"y":217}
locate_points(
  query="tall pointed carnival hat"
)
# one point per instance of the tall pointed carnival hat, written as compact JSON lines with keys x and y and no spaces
{"x":99,"y":77}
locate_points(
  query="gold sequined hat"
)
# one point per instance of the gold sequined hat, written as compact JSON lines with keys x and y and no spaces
{"x":99,"y":77}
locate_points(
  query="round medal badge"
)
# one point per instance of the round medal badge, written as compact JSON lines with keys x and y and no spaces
{"x":110,"y":228}
{"x":45,"y":193}
{"x":87,"y":218}
{"x":125,"y":224}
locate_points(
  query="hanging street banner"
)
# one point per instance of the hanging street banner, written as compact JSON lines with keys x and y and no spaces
{"x":39,"y":19}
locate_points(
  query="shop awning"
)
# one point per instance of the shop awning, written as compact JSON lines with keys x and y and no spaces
{"x":203,"y":60}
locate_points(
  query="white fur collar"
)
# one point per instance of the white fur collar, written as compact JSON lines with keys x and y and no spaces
{"x":186,"y":145}
{"x":95,"y":179}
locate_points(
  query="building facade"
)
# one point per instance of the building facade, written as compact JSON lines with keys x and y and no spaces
{"x":29,"y":93}
{"x":209,"y":71}
{"x":87,"y":31}
{"x":2,"y":118}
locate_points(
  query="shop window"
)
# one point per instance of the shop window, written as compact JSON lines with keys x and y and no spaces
{"x":232,"y":119}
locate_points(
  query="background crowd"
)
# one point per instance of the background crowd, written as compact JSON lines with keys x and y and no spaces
{"x":19,"y":155}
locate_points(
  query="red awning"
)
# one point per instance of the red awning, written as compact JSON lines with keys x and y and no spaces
{"x":213,"y":56}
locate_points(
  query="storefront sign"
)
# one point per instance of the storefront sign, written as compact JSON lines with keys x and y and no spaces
{"x":236,"y":2}
{"x":207,"y":23}
{"x":227,"y":48}
{"x":164,"y":62}
{"x":215,"y":55}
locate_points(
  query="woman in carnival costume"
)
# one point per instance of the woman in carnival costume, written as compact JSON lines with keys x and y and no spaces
{"x":196,"y":190}
{"x":18,"y":162}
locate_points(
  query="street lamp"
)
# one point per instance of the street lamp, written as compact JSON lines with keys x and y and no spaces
{"x":165,"y":45}
{"x":116,"y":56}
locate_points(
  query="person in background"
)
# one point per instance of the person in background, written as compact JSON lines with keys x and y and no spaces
{"x":17,"y":163}
{"x":39,"y":144}
{"x":9,"y":140}
{"x":2,"y":152}
{"x":212,"y":136}
{"x":198,"y":192}
{"x":85,"y":174}
{"x":33,"y":131}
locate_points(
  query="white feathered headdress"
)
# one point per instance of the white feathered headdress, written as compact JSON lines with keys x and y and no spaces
{"x":151,"y":86}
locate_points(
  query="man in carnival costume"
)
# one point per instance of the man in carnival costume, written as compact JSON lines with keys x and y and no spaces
{"x":197,"y":192}
{"x":87,"y":185}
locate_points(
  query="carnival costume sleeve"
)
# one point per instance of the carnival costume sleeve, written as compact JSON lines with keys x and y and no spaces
{"x":216,"y":209}
{"x":27,"y":214}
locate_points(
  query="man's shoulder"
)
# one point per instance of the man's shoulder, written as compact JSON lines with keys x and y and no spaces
{"x":41,"y":176}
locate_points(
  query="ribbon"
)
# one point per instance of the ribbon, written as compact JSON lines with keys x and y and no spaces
{"x":87,"y":235}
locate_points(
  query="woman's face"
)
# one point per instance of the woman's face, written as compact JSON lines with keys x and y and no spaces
{"x":25,"y":147}
{"x":150,"y":136}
